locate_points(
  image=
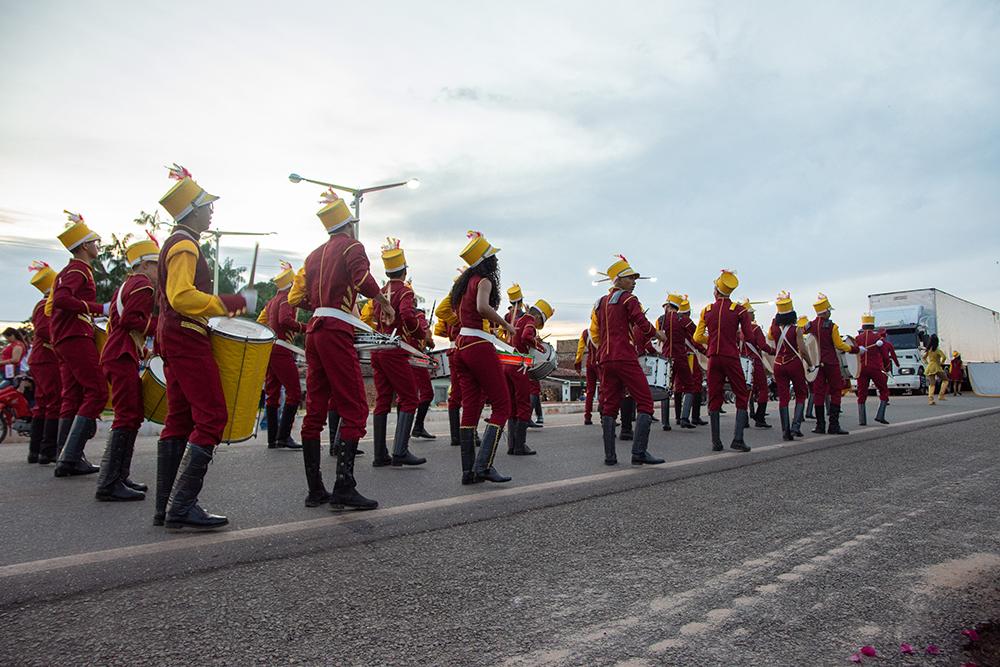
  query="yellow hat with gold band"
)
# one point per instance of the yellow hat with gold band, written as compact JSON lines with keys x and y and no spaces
{"x":783,"y":302}
{"x":685,"y":306}
{"x":286,"y":277}
{"x":77,"y":232}
{"x":674,"y":300}
{"x":802,"y":322}
{"x":544,"y":309}
{"x":477,"y":249}
{"x":44,"y":276}
{"x":822,"y":304}
{"x":867,"y":319}
{"x":393,"y":257}
{"x":620,"y":269}
{"x":514,"y":293}
{"x":335,"y":212}
{"x":147,"y":250}
{"x":185,"y":196}
{"x":727,"y":282}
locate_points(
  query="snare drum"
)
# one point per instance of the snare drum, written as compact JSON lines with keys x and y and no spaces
{"x":543,"y":362}
{"x":812,"y":348}
{"x":443,"y":367}
{"x":241,"y":349}
{"x":848,"y":361}
{"x":515,"y":359}
{"x":657,"y":372}
{"x":154,"y":391}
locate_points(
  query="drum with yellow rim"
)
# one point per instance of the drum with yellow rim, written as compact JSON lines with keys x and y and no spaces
{"x":242,"y":349}
{"x":101,"y":338}
{"x":154,"y":391}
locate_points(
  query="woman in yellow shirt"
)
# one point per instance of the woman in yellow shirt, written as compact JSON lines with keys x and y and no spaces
{"x":934,"y":361}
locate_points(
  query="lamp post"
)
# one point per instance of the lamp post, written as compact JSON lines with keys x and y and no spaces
{"x":217,"y":234}
{"x":358,"y":193}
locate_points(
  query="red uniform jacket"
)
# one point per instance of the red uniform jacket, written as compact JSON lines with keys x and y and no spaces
{"x":42,"y":351}
{"x":788,"y":351}
{"x":890,"y":355}
{"x":955,"y":372}
{"x":178,"y":334}
{"x":825,"y":332}
{"x":619,"y":319}
{"x":336,"y":273}
{"x":132,"y":321}
{"x":677,"y":334}
{"x":406,"y":323}
{"x":281,"y":317}
{"x":758,"y":340}
{"x":721,"y":324}
{"x":525,"y":334}
{"x":468,"y":314}
{"x":74,"y":302}
{"x":418,"y":338}
{"x":874,"y":357}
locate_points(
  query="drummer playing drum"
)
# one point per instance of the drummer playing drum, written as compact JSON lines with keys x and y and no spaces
{"x":518,"y":383}
{"x":196,"y":406}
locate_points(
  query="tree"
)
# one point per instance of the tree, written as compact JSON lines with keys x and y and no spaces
{"x":265,"y":292}
{"x":111,"y":268}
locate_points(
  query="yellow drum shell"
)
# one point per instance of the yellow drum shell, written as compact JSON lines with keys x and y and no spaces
{"x":154,"y":391}
{"x":242,"y":349}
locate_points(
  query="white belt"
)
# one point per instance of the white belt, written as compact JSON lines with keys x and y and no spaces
{"x":288,"y":346}
{"x":339,"y":314}
{"x":487,"y":336}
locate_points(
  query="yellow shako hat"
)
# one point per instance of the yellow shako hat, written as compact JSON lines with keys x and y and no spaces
{"x":185,"y":196}
{"x":620,"y":268}
{"x":77,"y":232}
{"x":867,"y":319}
{"x":822,"y":304}
{"x":147,"y":250}
{"x":477,"y":249}
{"x":727,"y":282}
{"x":393,"y":257}
{"x":674,"y":300}
{"x":335,"y":212}
{"x":285,"y":277}
{"x":544,"y":309}
{"x":685,"y":306}
{"x":514,"y":293}
{"x":783,"y":302}
{"x":44,"y":276}
{"x":802,"y":322}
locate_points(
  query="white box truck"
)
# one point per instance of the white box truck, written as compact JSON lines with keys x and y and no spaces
{"x":911,"y":316}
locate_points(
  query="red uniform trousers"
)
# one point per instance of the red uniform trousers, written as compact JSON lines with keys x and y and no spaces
{"x":48,"y":391}
{"x":84,"y":391}
{"x":333,"y":382}
{"x":536,"y":387}
{"x":588,"y":405}
{"x":391,"y":372}
{"x":282,"y":372}
{"x":721,"y":369}
{"x":616,"y":378}
{"x":794,"y":373}
{"x":481,"y":380}
{"x":422,"y":380}
{"x":196,"y":404}
{"x":875,"y":376}
{"x":519,"y":388}
{"x":683,"y":379}
{"x":829,"y":381}
{"x":126,"y":392}
{"x":759,"y":388}
{"x":455,"y":390}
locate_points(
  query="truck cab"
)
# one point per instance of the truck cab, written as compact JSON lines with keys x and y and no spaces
{"x":903,"y":328}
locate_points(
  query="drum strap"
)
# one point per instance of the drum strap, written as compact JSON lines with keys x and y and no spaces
{"x":781,"y":341}
{"x":479,"y":333}
{"x":288,"y":346}
{"x":339,"y":314}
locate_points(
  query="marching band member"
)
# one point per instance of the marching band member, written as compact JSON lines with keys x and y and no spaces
{"x":196,"y":406}
{"x":718,"y":328}
{"x":697,"y":375}
{"x":786,"y":333}
{"x":423,"y":341}
{"x":475,"y":296}
{"x":130,"y":320}
{"x":890,"y":351}
{"x":45,"y":373}
{"x":830,"y":380}
{"x":282,"y":372}
{"x":675,"y":349}
{"x":391,"y":368}
{"x":955,"y":376}
{"x":334,"y":275}
{"x":586,"y":354}
{"x":755,"y":344}
{"x":616,"y":317}
{"x":871,"y":370}
{"x":525,"y":338}
{"x":72,"y":305}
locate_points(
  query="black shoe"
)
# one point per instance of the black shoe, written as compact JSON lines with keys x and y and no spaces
{"x":645,"y":458}
{"x":401,"y":455}
{"x":126,"y":468}
{"x":381,"y":457}
{"x":483,"y":467}
{"x":168,"y":459}
{"x":350,"y":500}
{"x":820,"y":419}
{"x":835,"y":422}
{"x":713,"y":418}
{"x":284,"y":438}
{"x":418,"y":424}
{"x":184,"y":513}
{"x":687,"y":424}
{"x":626,"y":435}
{"x":520,"y":438}
{"x":109,"y":483}
{"x":739,"y":446}
{"x":468,"y":446}
{"x":532,"y":424}
{"x":407,"y":459}
{"x":72,"y":461}
{"x":345,"y":495}
{"x":314,"y":476}
{"x":587,"y":421}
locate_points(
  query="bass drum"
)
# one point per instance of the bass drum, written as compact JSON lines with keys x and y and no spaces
{"x":242,"y":349}
{"x":543,"y":362}
{"x":812,"y":348}
{"x":442,"y":369}
{"x":657,"y":372}
{"x":154,"y":391}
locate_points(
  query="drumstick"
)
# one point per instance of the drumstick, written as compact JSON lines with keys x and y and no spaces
{"x":253,"y":265}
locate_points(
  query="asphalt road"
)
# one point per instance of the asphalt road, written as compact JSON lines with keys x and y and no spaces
{"x":790,"y":555}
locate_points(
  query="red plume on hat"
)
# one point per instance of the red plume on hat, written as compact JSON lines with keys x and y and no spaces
{"x":473,"y":234}
{"x":178,"y":173}
{"x":37,"y":265}
{"x":73,"y":218}
{"x":285,"y":266}
{"x":328,"y":197}
{"x":390,"y":243}
{"x":152,"y":238}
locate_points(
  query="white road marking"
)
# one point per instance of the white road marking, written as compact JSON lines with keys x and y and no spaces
{"x":189,"y":542}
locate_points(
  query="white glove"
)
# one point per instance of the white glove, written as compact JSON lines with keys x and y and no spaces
{"x":880,"y":343}
{"x":862,"y":348}
{"x":106,"y":308}
{"x":250,"y":295}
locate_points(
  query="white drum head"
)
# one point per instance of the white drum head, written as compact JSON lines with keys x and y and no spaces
{"x":240,"y":329}
{"x":101,"y":323}
{"x":155,"y":366}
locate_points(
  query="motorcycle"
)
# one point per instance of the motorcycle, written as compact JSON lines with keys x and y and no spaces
{"x":15,"y":412}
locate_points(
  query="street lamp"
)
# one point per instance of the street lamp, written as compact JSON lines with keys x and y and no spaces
{"x":358,"y":193}
{"x":217,"y":234}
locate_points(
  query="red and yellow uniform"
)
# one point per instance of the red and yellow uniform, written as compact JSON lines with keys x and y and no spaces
{"x":391,"y":368}
{"x":586,"y":359}
{"x":954,"y":371}
{"x":280,"y":317}
{"x":45,"y":372}
{"x":872,"y":361}
{"x":480,"y":374}
{"x":130,"y":320}
{"x":830,"y":378}
{"x":421,"y":339}
{"x":788,"y":365}
{"x":617,"y":319}
{"x":525,"y":339}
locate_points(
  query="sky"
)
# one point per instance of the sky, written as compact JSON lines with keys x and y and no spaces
{"x":842,"y":147}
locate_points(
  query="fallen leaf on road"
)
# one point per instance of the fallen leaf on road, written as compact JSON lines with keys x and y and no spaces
{"x":932,"y":649}
{"x":906,"y":649}
{"x":971,"y":634}
{"x":869,"y":651}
